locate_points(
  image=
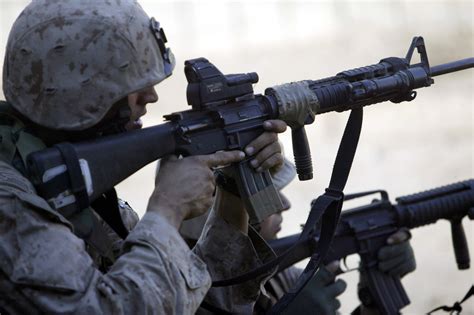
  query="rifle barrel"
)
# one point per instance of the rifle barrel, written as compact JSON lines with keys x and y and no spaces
{"x":452,"y":66}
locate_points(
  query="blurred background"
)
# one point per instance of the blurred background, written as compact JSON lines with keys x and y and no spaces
{"x":404,"y":148}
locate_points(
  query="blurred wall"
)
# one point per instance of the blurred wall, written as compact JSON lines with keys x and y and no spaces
{"x":404,"y":148}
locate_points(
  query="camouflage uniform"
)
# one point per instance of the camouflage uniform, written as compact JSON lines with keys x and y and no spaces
{"x":92,"y":54}
{"x":44,"y":267}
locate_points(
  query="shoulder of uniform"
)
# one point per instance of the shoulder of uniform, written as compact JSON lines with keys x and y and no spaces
{"x":14,"y":184}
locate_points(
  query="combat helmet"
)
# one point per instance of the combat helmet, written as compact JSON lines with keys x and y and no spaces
{"x":67,"y":61}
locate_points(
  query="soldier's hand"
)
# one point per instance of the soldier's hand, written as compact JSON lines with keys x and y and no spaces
{"x":184,"y":188}
{"x":397,"y":257}
{"x":320,"y":294}
{"x":265,"y":150}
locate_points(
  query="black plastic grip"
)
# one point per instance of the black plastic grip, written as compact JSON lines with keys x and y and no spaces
{"x":449,"y":202}
{"x":332,"y":96}
{"x":342,"y":95}
{"x":461,"y":250}
{"x":303,"y":163}
{"x":437,"y":192}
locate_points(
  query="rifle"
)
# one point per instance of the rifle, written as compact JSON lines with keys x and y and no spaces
{"x":227,"y":115}
{"x":364,"y":230}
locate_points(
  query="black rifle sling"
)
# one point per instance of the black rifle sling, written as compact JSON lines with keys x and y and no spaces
{"x":107,"y":207}
{"x":86,"y":223}
{"x":327,"y":207}
{"x":78,"y":186}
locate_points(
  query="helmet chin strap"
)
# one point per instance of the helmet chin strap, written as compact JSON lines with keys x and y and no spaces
{"x":116,"y":123}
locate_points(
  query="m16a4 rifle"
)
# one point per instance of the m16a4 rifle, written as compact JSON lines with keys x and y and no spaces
{"x":364,"y":230}
{"x":227,"y":115}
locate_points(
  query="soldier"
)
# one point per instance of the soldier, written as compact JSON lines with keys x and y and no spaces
{"x":320,"y":295}
{"x":77,"y":70}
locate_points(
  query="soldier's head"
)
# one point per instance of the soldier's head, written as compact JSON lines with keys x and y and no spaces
{"x":74,"y":65}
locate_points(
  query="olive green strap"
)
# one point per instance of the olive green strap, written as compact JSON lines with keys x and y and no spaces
{"x":14,"y":137}
{"x":27,"y":143}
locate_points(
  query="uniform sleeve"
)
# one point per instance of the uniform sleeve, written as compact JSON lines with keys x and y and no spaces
{"x":129,"y":218}
{"x":44,"y":267}
{"x":229,"y":253}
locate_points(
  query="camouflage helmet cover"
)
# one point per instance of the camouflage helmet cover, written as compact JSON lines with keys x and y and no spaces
{"x":67,"y":61}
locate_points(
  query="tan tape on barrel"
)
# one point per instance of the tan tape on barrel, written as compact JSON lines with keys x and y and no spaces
{"x":295,"y":102}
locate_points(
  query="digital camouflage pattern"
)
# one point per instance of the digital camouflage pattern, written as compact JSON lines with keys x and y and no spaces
{"x":88,"y":53}
{"x":45,"y":268}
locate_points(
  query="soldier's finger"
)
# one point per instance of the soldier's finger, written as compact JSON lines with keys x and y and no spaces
{"x":337,"y":288}
{"x":398,"y":271}
{"x":390,"y":251}
{"x":333,"y":266}
{"x":407,"y":267}
{"x":388,"y":265}
{"x":266,"y":153}
{"x":400,"y":236}
{"x":262,"y":141}
{"x":222,"y":158}
{"x":276,"y":160}
{"x":275,"y":125}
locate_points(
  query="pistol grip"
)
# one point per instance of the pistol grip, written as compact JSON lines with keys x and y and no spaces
{"x":257,"y":191}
